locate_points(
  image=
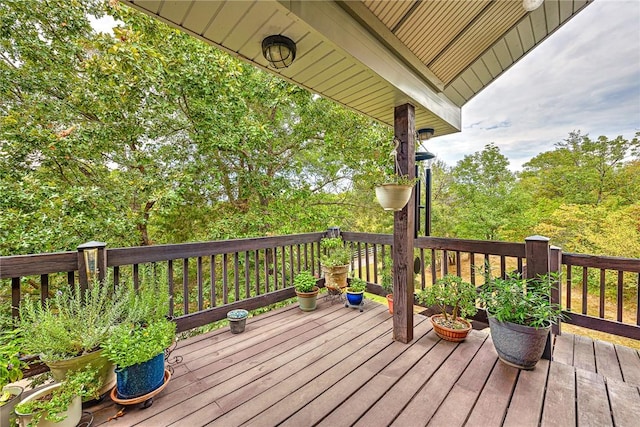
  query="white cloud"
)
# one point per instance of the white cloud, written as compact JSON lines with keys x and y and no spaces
{"x":586,"y":77}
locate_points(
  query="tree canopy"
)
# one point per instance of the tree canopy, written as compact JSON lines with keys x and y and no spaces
{"x":148,"y":135}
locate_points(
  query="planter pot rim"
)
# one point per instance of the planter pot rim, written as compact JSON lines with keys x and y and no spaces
{"x":308,"y":294}
{"x":354,"y":292}
{"x":237,"y":314}
{"x":459,"y":319}
{"x":519,"y":327}
{"x":394,"y":185}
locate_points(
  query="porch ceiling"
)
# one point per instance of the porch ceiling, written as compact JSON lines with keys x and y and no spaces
{"x":372,"y":55}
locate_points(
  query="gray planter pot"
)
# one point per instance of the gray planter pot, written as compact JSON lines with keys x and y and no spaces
{"x":517,"y":345}
{"x":237,"y":320}
{"x":6,"y":409}
{"x":307,"y":300}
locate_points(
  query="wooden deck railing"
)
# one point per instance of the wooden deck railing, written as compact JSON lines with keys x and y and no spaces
{"x":205,"y":280}
{"x":593,"y":277}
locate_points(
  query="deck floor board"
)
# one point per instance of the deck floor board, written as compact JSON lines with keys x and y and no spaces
{"x":340,"y":367}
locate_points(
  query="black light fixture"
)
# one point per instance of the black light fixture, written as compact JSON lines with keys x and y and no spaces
{"x":427,"y":157}
{"x":279,"y":51}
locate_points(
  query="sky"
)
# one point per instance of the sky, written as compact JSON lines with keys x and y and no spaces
{"x":585,"y":76}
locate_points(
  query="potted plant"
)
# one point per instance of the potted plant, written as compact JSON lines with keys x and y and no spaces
{"x":60,"y":404}
{"x":386,"y":275}
{"x":67,"y":330}
{"x":520,"y":317}
{"x":237,"y":320}
{"x":137,"y":345}
{"x":394,"y":193}
{"x":306,"y":290}
{"x":355,"y":291}
{"x":334,"y":263}
{"x":456,"y":300}
{"x":393,"y":190}
{"x":10,"y":371}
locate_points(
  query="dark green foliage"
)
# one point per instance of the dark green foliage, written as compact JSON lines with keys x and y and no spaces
{"x":304,"y":281}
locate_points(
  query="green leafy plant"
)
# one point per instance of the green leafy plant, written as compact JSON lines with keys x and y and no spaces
{"x":135,"y":342}
{"x":356,"y":284}
{"x":145,"y":331}
{"x":386,"y":275}
{"x":10,"y":363}
{"x":304,"y":282}
{"x":84,"y":383}
{"x":71,"y":323}
{"x":335,"y":253}
{"x":453,"y":297}
{"x":522,"y":301}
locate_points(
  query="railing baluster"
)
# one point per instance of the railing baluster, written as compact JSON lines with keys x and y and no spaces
{"x":366,"y":261}
{"x":212,"y":281}
{"x":298,"y":253}
{"x":472,"y":267}
{"x":71,"y":278}
{"x":318,"y":257}
{"x":15,"y":296}
{"x":569,"y":283}
{"x":236,"y":276}
{"x":602,"y":289}
{"x":638,"y":301}
{"x":256,"y":266}
{"x":503,"y":266}
{"x":185,"y":285}
{"x":275,"y":269}
{"x":375,"y":263}
{"x":620,"y":294}
{"x":458,"y":265}
{"x":291,"y":265}
{"x":170,"y":285}
{"x":434,"y":272}
{"x":136,"y":277}
{"x":116,"y":276}
{"x":266,"y":271}
{"x":199,"y":280}
{"x":225,"y":279}
{"x":423,"y":270}
{"x":284,"y":267}
{"x":44,"y":287}
{"x":486,"y":268}
{"x":585,"y":276}
{"x":247,"y":278}
{"x":306,"y":256}
{"x":359,"y":260}
{"x":445,"y":262}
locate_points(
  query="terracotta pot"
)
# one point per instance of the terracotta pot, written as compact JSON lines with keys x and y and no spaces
{"x":450,"y":334}
{"x":393,"y":197}
{"x":307,"y":300}
{"x":390,"y":302}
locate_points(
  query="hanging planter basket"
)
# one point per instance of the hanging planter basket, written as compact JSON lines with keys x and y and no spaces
{"x":393,"y":197}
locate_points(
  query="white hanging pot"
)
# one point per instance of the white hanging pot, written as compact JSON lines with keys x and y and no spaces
{"x":393,"y":197}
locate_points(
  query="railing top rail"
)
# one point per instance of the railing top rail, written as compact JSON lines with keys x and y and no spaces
{"x":36,"y":264}
{"x":142,"y":254}
{"x":606,"y":262}
{"x":510,"y":249}
{"x":378,"y":239}
{"x":33,"y":264}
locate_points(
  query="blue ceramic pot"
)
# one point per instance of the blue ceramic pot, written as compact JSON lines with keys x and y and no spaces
{"x":354,"y":298}
{"x":140,"y":379}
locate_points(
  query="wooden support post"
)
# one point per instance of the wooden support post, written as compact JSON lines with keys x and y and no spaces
{"x":92,"y":263}
{"x":538,"y":256}
{"x":403,"y":229}
{"x":555,"y":266}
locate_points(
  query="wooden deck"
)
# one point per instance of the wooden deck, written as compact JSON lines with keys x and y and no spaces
{"x":337,"y":367}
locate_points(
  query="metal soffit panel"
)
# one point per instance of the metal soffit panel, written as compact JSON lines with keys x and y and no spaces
{"x":372,"y":55}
